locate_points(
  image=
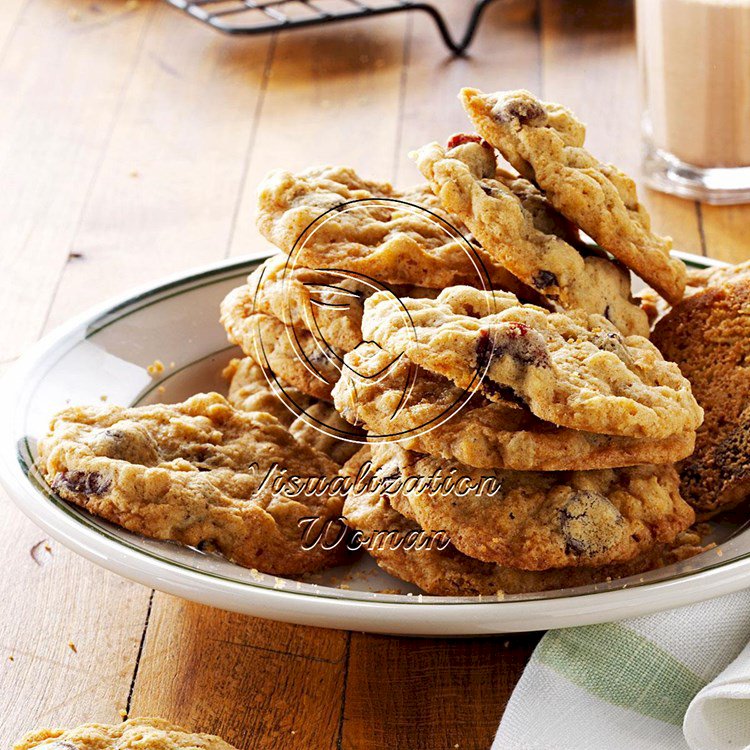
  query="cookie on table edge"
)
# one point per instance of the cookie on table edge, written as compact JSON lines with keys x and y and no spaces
{"x":133,"y":734}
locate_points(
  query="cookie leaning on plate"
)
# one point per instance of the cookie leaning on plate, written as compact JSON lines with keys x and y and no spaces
{"x":426,"y":413}
{"x":544,"y":142}
{"x":133,"y":734}
{"x":573,"y":370}
{"x":291,"y":353}
{"x":194,"y":473}
{"x":328,"y":304}
{"x":402,"y":548}
{"x":708,"y":335}
{"x":312,"y":422}
{"x":469,"y":185}
{"x":540,"y":520}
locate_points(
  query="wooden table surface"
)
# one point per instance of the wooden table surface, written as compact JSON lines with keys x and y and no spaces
{"x":131,"y":142}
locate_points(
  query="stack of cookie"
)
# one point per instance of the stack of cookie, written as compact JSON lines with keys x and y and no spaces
{"x":343,"y":238}
{"x":562,"y":431}
{"x":497,"y":344}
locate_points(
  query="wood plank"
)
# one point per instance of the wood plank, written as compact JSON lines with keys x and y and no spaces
{"x":725,"y":231}
{"x":258,"y":684}
{"x":332,"y":98}
{"x":590,"y":66}
{"x":440,"y":693}
{"x":53,"y":598}
{"x":59,"y":95}
{"x":165,"y":196}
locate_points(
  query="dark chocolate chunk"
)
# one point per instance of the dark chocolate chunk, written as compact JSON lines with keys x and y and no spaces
{"x":524,"y":345}
{"x":525,"y":112}
{"x":545,"y":280}
{"x":588,"y":522}
{"x":82,"y":482}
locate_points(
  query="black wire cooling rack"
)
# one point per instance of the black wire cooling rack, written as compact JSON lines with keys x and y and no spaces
{"x":262,"y":16}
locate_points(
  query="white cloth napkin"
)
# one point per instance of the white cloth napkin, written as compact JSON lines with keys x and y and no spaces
{"x":677,"y":680}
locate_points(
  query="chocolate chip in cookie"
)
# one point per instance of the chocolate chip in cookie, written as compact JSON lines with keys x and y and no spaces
{"x":524,"y":345}
{"x":522,"y":110}
{"x":82,"y":482}
{"x":590,"y":523}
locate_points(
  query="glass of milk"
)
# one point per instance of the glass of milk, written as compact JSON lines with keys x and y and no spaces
{"x":695,"y":72}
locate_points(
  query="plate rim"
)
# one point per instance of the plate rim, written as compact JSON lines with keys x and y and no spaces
{"x":389,"y":614}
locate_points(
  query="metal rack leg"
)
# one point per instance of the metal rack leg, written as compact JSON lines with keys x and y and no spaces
{"x":458,"y":48}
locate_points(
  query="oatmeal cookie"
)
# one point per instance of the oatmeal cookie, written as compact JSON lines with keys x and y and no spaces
{"x":403,"y":549}
{"x":424,"y":412}
{"x":250,"y":390}
{"x":708,"y":336}
{"x":467,"y":181}
{"x":291,"y":353}
{"x":133,"y":734}
{"x":540,"y":520}
{"x":544,"y":142}
{"x":388,"y":240}
{"x":194,"y":473}
{"x":328,"y":304}
{"x":312,"y":422}
{"x":573,"y":370}
{"x":700,"y":278}
{"x":657,"y":307}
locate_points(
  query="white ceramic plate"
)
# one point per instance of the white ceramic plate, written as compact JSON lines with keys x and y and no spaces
{"x":105,"y":353}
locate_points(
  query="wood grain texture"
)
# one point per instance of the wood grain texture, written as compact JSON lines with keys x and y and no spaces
{"x":423,"y":694}
{"x":188,"y":109}
{"x":505,"y":54}
{"x":60,"y":99}
{"x":259,"y":684}
{"x":52,"y":598}
{"x":332,"y":98}
{"x":725,"y":232}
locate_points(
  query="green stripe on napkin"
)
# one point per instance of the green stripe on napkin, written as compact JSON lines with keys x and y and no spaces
{"x":622,"y":667}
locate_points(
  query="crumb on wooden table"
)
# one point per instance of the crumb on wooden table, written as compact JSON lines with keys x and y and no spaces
{"x":72,"y":647}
